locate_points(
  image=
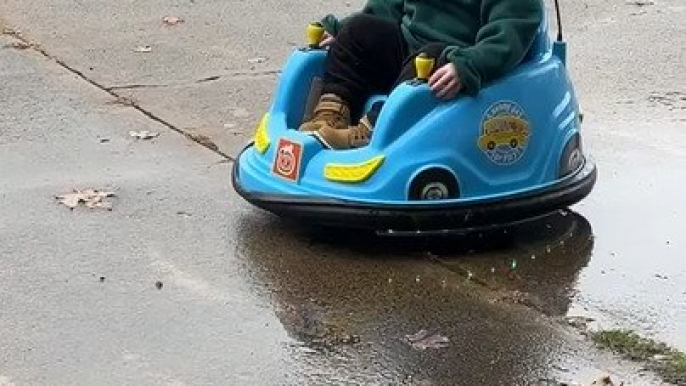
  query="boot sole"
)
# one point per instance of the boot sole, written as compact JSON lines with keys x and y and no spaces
{"x":322,"y":140}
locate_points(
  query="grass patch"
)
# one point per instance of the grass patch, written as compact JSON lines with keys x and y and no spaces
{"x":667,"y":362}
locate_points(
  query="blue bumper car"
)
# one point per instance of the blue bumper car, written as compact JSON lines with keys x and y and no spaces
{"x":512,"y":153}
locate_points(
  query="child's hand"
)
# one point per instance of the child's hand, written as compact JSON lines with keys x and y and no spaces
{"x":327,"y":39}
{"x":445,"y":82}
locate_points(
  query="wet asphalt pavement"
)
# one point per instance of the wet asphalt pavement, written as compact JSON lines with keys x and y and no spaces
{"x":248,"y":299}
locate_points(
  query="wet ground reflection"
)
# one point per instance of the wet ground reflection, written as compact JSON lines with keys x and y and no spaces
{"x":348,"y":300}
{"x":536,"y":262}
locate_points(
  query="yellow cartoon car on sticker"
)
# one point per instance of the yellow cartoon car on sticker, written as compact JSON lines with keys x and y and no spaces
{"x":504,"y":131}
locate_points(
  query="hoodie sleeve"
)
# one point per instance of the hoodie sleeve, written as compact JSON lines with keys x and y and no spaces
{"x":392,"y":9}
{"x":501,"y":44}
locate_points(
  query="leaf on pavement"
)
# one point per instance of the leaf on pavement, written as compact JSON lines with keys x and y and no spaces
{"x":19,"y":45}
{"x":581,"y":322}
{"x":91,"y":198}
{"x":425,"y":340}
{"x":172,"y":20}
{"x":640,"y":3}
{"x":122,"y":100}
{"x":203,"y":140}
{"x":143,"y":134}
{"x":143,"y":49}
{"x":605,"y":380}
{"x":10,"y":31}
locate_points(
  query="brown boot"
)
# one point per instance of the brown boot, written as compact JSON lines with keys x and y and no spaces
{"x":348,"y":138}
{"x":331,"y":112}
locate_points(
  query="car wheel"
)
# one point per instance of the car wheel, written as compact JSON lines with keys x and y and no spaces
{"x":572,"y":156}
{"x":434,"y":184}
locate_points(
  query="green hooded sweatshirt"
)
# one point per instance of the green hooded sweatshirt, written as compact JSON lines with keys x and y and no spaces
{"x":486,"y":38}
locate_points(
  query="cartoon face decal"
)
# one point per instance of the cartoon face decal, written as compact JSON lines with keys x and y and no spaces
{"x":287,"y":160}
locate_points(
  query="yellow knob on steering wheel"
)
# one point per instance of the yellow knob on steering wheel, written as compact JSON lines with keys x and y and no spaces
{"x":423,"y":64}
{"x":315,"y":32}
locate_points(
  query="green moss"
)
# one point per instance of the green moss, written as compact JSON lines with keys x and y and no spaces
{"x":630,"y":344}
{"x":675,"y":370}
{"x":667,"y":362}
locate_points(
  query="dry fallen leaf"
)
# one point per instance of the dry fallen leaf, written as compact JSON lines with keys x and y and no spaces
{"x":640,"y":3}
{"x":203,"y":140}
{"x":143,"y":134}
{"x":19,"y":45}
{"x":122,"y":100}
{"x":424,"y":340}
{"x":257,"y":60}
{"x":581,"y":322}
{"x":91,"y":198}
{"x":143,"y":49}
{"x":172,"y":20}
{"x":605,"y":381}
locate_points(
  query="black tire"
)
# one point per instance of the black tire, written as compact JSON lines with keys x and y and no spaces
{"x":434,"y":184}
{"x":572,"y":156}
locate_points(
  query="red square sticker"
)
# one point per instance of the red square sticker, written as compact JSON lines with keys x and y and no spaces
{"x":287,"y":160}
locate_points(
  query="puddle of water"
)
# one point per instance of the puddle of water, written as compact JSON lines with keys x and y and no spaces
{"x":637,"y":276}
{"x":379,"y":290}
{"x":538,"y":264}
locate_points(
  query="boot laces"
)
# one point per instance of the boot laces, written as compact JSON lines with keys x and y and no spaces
{"x":358,"y":133}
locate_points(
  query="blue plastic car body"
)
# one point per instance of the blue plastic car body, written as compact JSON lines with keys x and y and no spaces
{"x":510,"y":153}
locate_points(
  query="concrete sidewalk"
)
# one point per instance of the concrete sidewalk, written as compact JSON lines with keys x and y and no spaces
{"x":243,"y":298}
{"x":181,"y":284}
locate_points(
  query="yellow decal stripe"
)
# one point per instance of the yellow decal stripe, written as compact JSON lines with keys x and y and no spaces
{"x":261,"y":137}
{"x":353,"y":173}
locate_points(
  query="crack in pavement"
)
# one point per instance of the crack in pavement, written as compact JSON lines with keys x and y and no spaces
{"x":234,"y":75}
{"x":8,"y":31}
{"x":135,"y":86}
